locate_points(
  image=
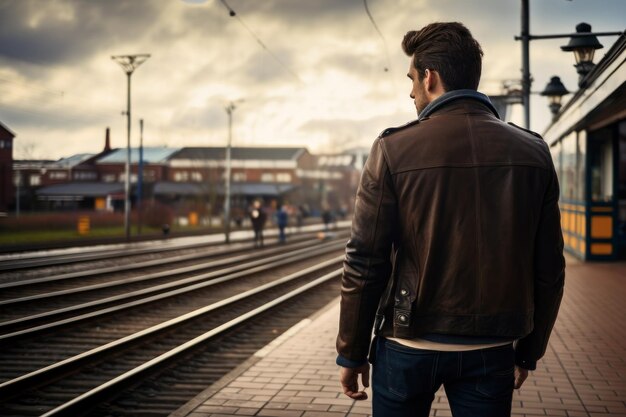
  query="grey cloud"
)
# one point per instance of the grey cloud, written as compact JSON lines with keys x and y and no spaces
{"x":300,"y":11}
{"x":369,"y":128}
{"x":58,"y":39}
{"x":211,"y":116}
{"x":36,"y":117}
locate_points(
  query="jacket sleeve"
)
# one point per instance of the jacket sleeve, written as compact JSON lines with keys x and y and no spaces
{"x":367,"y":263}
{"x":549,"y":269}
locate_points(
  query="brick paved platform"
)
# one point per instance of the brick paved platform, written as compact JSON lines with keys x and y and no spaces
{"x":582,"y":374}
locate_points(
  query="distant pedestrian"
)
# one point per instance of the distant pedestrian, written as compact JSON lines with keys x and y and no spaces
{"x":258,"y":218}
{"x":299,"y":218}
{"x":327,"y":218}
{"x":282,"y":218}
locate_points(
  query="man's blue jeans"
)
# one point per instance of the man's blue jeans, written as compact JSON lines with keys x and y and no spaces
{"x":478,"y":383}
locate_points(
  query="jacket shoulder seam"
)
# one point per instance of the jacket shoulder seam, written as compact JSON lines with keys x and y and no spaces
{"x":469,"y":165}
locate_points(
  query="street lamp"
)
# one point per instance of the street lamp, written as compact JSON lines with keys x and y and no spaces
{"x":128,"y":63}
{"x":229,"y":110}
{"x":140,"y":179}
{"x":584,"y":49}
{"x":555,"y":90}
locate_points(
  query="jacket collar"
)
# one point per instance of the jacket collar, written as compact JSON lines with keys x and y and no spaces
{"x":446,"y":98}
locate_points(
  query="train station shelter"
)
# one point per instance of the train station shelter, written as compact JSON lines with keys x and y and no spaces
{"x":588,"y":144}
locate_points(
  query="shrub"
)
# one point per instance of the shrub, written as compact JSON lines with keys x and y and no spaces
{"x":156,"y":214}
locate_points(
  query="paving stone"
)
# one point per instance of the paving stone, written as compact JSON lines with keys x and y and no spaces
{"x":582,"y":373}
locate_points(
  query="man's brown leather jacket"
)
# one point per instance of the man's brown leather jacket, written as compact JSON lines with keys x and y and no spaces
{"x":456,"y":231}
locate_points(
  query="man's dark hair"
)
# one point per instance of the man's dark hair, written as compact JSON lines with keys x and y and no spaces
{"x":449,"y":49}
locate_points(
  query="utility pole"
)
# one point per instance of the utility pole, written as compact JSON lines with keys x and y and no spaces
{"x":140,"y":178}
{"x":128,"y":63}
{"x":229,"y":110}
{"x":583,"y":30}
{"x":526,"y":80}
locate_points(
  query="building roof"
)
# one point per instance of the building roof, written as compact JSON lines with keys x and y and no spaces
{"x":70,"y":161}
{"x":151,"y":155}
{"x":86,"y":189}
{"x":3,"y":126}
{"x":240,"y":153}
{"x":22,"y":164}
{"x":245,"y":188}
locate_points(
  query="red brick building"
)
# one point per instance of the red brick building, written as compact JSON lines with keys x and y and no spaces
{"x":7,"y":190}
{"x":192,"y":179}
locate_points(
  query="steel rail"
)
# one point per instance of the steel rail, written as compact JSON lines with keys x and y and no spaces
{"x":51,"y":372}
{"x":232,"y":273}
{"x":89,"y":399}
{"x":122,"y":268}
{"x":156,"y":275}
{"x":24,"y":262}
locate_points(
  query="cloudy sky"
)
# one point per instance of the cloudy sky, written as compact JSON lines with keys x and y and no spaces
{"x":313,"y":76}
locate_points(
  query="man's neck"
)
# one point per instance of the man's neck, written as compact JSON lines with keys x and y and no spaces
{"x":454,"y":95}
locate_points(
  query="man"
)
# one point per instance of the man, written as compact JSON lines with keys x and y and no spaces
{"x":456,"y":249}
{"x":258,"y":218}
{"x":282,"y":219}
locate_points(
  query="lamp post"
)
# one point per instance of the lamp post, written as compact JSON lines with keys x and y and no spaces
{"x":581,"y":49}
{"x":229,"y":110}
{"x":555,"y":90}
{"x":140,"y":178}
{"x":128,"y":63}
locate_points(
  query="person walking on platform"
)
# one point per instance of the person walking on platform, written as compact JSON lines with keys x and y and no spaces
{"x":327,"y":218}
{"x":282,"y":218}
{"x":258,"y":218}
{"x":455,"y":258}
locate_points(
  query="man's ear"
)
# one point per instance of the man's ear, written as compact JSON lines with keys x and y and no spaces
{"x":431,"y":79}
{"x":433,"y":83}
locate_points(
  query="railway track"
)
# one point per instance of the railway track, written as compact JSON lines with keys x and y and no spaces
{"x":154,"y":338}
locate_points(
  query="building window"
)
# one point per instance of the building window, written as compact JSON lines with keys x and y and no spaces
{"x":108,"y":178}
{"x":601,"y":166}
{"x":58,"y":175}
{"x":34,"y":180}
{"x":148,"y":175}
{"x":283,"y":177}
{"x":180,"y":176}
{"x":196,"y":176}
{"x":267,"y":177}
{"x":239,"y":176}
{"x":85,"y":176}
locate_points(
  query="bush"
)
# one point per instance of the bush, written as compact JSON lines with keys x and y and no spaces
{"x":156,"y":214}
{"x":58,"y":221}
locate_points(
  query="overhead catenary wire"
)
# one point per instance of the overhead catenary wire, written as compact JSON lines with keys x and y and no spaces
{"x":260,"y":41}
{"x":382,"y":38}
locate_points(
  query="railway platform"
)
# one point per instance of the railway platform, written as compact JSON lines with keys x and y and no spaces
{"x":582,"y":374}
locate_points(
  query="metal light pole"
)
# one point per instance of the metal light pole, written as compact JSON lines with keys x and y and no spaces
{"x":229,"y":110}
{"x":128,"y":63}
{"x":140,"y":177}
{"x":526,"y":37}
{"x":526,"y":80}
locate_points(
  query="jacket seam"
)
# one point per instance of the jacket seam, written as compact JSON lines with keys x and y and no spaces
{"x":371,"y":245}
{"x":477,"y":195}
{"x":465,"y":166}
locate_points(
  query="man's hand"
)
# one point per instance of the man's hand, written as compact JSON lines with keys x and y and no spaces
{"x":520,"y":376}
{"x":349,"y":379}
